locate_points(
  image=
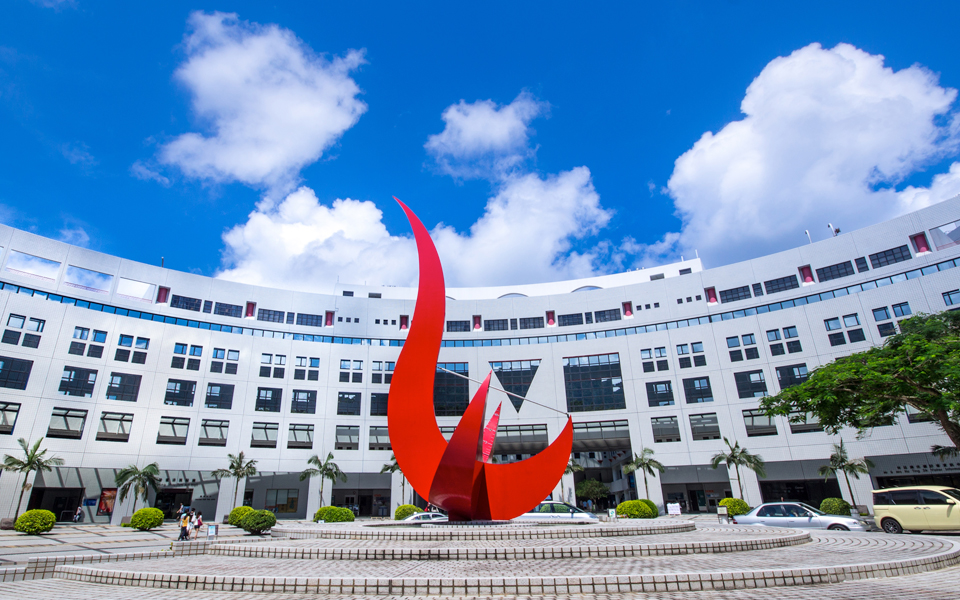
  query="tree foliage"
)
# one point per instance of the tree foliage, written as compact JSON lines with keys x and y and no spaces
{"x":737,"y":457}
{"x":34,"y":459}
{"x":138,"y":480}
{"x":592,"y":489}
{"x":239,"y":468}
{"x":840,"y":462}
{"x":646,"y":464}
{"x":918,"y":367}
{"x":324,"y":469}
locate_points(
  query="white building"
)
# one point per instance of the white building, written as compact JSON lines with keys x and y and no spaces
{"x":116,"y":363}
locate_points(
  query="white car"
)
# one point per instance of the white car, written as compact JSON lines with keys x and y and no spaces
{"x":799,"y":515}
{"x":426,"y":517}
{"x":558,"y":512}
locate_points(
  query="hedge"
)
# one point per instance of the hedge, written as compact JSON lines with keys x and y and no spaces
{"x":835,"y":506}
{"x":405,"y":510}
{"x":636,"y":509}
{"x":237,"y":515}
{"x":735,"y":506}
{"x":653,"y":506}
{"x":258,"y":521}
{"x":333,"y":514}
{"x":147,"y":518}
{"x":35,"y":522}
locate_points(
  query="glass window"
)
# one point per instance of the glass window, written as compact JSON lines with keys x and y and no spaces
{"x":314,"y":363}
{"x":301,"y":361}
{"x":304,"y":402}
{"x":733,"y":342}
{"x":14,"y":372}
{"x":280,"y":359}
{"x":18,"y":320}
{"x":213,"y":432}
{"x":348,"y":437}
{"x":697,"y":347}
{"x":758,"y":423}
{"x":233,"y":355}
{"x":749,"y":339}
{"x":99,"y":336}
{"x":902,"y":309}
{"x":659,"y":393}
{"x":126,"y":341}
{"x":378,"y":405}
{"x":683,"y":349}
{"x":789,"y":332}
{"x":8,"y":416}
{"x":593,"y":383}
{"x":348,"y":403}
{"x":646,"y":354}
{"x":67,"y":423}
{"x":697,"y":390}
{"x":851,"y":320}
{"x":379,"y":438}
{"x":881,"y":314}
{"x":832,"y":324}
{"x":114,"y":427}
{"x":665,"y":429}
{"x":36,"y":325}
{"x":180,"y":392}
{"x":660,"y":352}
{"x":219,"y":353}
{"x":124,"y":387}
{"x":266,"y":359}
{"x":773,"y":335}
{"x":886,"y":329}
{"x":791,"y":375}
{"x":196,"y":350}
{"x":79,"y":333}
{"x":344,"y":364}
{"x":705,"y":426}
{"x":837,"y":339}
{"x":268,"y":399}
{"x":77,"y":382}
{"x":282,"y":501}
{"x":264,"y":435}
{"x":179,"y":348}
{"x":143,"y":343}
{"x":301,"y":436}
{"x":219,"y":395}
{"x":750,"y":384}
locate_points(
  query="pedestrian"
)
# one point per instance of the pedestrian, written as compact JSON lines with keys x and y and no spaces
{"x":78,"y":515}
{"x":197,"y":524}
{"x":179,"y":512}
{"x":184,"y":524}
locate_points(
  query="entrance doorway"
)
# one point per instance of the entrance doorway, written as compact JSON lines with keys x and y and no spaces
{"x":62,"y":502}
{"x":810,"y":491}
{"x":169,"y":500}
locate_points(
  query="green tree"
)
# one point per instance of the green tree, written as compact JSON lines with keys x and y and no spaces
{"x":737,"y":457}
{"x":592,"y":489}
{"x":917,"y":368}
{"x":944,"y":452}
{"x":841,"y":463}
{"x":572,"y":467}
{"x":138,"y":480}
{"x":646,"y":463}
{"x":325,"y":469}
{"x":34,"y":459}
{"x":392,"y":467}
{"x":239,"y":468}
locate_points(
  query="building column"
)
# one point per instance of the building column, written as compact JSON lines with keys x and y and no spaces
{"x":313,"y":496}
{"x":862,"y":490}
{"x":751,"y":485}
{"x":10,"y":486}
{"x":124,"y":508}
{"x":655,"y":489}
{"x":226,"y":501}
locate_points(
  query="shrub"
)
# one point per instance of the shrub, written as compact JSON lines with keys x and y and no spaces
{"x":653,"y":506}
{"x":258,"y":521}
{"x":333,"y":514}
{"x":835,"y":506}
{"x":636,"y":509}
{"x":735,"y":506}
{"x":147,"y":518}
{"x":237,"y":515}
{"x":35,"y":522}
{"x":405,"y":510}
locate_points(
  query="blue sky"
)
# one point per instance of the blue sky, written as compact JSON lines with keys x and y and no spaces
{"x":135,"y":130}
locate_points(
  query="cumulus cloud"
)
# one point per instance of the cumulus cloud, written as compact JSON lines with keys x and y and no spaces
{"x":272,"y":106}
{"x":827,"y":135}
{"x":482,"y":139}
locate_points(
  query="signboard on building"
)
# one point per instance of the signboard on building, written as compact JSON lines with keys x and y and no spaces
{"x":673,"y":509}
{"x":108,"y":497}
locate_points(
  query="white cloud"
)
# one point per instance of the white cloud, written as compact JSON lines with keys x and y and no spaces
{"x":142,"y":171}
{"x":825,"y":137}
{"x":482,"y":139}
{"x":74,"y":235}
{"x":271,"y":104}
{"x":57,"y":4}
{"x":78,"y":154}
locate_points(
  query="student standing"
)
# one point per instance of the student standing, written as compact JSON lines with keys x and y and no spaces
{"x":197,"y":525}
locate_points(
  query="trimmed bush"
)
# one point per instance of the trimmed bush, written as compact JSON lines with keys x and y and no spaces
{"x":147,"y":518}
{"x":237,"y":515}
{"x":735,"y":506}
{"x":653,"y":506}
{"x":835,"y":506}
{"x":35,"y":522}
{"x":333,"y":514}
{"x":258,"y":521}
{"x":405,"y":510}
{"x":636,"y":509}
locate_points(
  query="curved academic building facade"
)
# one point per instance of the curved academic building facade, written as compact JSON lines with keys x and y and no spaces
{"x":116,"y":363}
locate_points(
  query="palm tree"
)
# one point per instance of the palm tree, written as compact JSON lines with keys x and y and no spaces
{"x":138,"y":480}
{"x":739,"y":457}
{"x":392,"y":467}
{"x":944,"y":452}
{"x":839,"y":461}
{"x":646,"y":463}
{"x":326,"y":469}
{"x":33,"y":459}
{"x":238,"y":469}
{"x":572,"y":467}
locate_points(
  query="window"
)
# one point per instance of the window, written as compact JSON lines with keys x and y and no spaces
{"x":851,"y":320}
{"x":227,"y":310}
{"x":757,"y":290}
{"x":750,"y":384}
{"x":736,"y":356}
{"x":126,"y":341}
{"x":450,"y":392}
{"x":890,"y":257}
{"x":177,"y":362}
{"x":67,"y":423}
{"x":751,"y":353}
{"x":660,"y":352}
{"x":301,"y":436}
{"x":114,"y":427}
{"x":143,"y":343}
{"x":749,"y":339}
{"x":516,"y":377}
{"x":804,"y":423}
{"x":777,"y":350}
{"x":773,"y":335}
{"x":881,"y":314}
{"x":219,"y":395}
{"x":758,"y":424}
{"x":233,"y":355}
{"x":18,"y":321}
{"x":216,"y":366}
{"x":76,"y":348}
{"x":77,"y":382}
{"x":794,"y":346}
{"x":646,"y":354}
{"x":304,"y":402}
{"x":139,"y":358}
{"x":697,"y":347}
{"x":951,"y":298}
{"x":699,"y":360}
{"x":264,"y":435}
{"x":856,"y":335}
{"x":379,"y":438}
{"x":458,"y":326}
{"x":837,"y":339}
{"x":733,"y":342}
{"x":685,"y":362}
{"x":682,"y":349}
{"x":208,"y":306}
{"x":378,"y":405}
{"x":123,"y":387}
{"x":567,"y":320}
{"x":531,"y":323}
{"x":513,"y":324}
{"x":14,"y":373}
{"x":705,"y":427}
{"x":593,"y":383}
{"x":348,"y":437}
{"x":832,"y":324}
{"x":180,"y":392}
{"x":268,"y":399}
{"x":605,"y":316}
{"x":8,"y":417}
{"x":79,"y":333}
{"x":193,"y":364}
{"x":665,"y":429}
{"x":196,"y":350}
{"x":185,"y":303}
{"x":179,"y":348}
{"x":33,"y":341}
{"x":697,"y":390}
{"x":266,"y":359}
{"x":791,"y":375}
{"x":310,"y":320}
{"x":844,"y":269}
{"x":886,"y":329}
{"x":496,"y":325}
{"x":660,"y":393}
{"x":782,"y":284}
{"x":861,"y":265}
{"x":281,"y":359}
{"x":98,"y":336}
{"x":735,"y":294}
{"x":213,"y":432}
{"x":122,"y":355}
{"x":37,"y":325}
{"x":271,"y":316}
{"x":902,"y":309}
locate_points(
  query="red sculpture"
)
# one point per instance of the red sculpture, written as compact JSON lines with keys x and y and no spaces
{"x":456,"y":475}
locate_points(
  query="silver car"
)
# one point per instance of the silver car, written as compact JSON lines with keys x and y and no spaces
{"x":427,"y":517}
{"x":797,"y":515}
{"x":558,"y":512}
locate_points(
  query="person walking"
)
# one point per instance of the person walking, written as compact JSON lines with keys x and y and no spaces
{"x":184,"y":524}
{"x":197,"y":525}
{"x":78,"y":515}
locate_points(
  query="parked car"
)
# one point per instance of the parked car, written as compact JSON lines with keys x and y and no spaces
{"x":798,"y":515}
{"x":931,"y":508}
{"x":558,"y":511}
{"x":426,"y":517}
